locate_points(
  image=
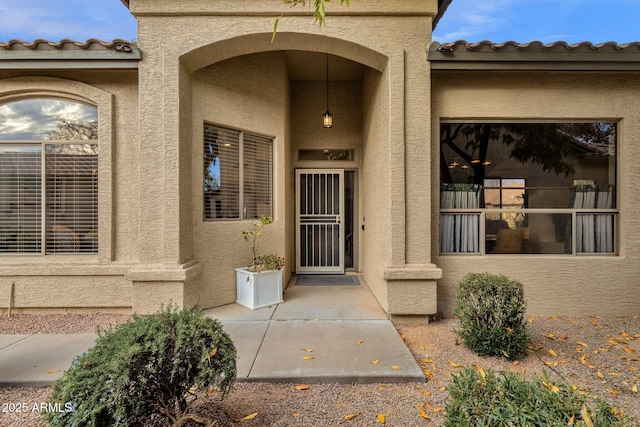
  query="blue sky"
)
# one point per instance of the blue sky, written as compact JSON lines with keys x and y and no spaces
{"x":472,"y":20}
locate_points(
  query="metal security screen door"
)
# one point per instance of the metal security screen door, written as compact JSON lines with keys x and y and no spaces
{"x":319,"y":224}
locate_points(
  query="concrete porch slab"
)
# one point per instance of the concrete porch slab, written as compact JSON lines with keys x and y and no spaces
{"x":337,"y":355}
{"x":247,"y":337}
{"x":329,"y":303}
{"x":39,"y":360}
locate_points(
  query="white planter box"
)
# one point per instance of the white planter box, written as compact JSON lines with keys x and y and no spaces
{"x":257,"y":290}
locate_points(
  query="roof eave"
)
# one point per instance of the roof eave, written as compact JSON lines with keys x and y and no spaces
{"x":442,"y":8}
{"x":536,"y":56}
{"x":62,"y":64}
{"x":68,"y":54}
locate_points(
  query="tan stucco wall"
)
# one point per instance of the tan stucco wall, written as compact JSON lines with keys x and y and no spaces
{"x":561,"y":285}
{"x":309,"y":102}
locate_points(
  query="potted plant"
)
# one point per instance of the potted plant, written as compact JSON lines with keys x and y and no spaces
{"x":259,"y":284}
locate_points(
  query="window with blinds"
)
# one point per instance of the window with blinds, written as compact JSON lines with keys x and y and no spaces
{"x":238,"y":174}
{"x":20,"y":198}
{"x":72,"y":198}
{"x":48,"y":177}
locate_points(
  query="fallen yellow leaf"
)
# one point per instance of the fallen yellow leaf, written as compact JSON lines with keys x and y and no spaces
{"x":628,"y":350}
{"x":250,"y":416}
{"x":307,"y":357}
{"x":381,"y":418}
{"x":571,"y":420}
{"x":584,"y":344}
{"x":308,"y":350}
{"x":302,"y":387}
{"x":360,"y":342}
{"x":213,"y":352}
{"x":428,"y":374}
{"x":350,"y":416}
{"x":443,"y":388}
{"x":480,"y":371}
{"x":551,"y":387}
{"x":613,"y":374}
{"x":193,"y":389}
{"x":427,"y":360}
{"x":455,"y":365}
{"x":395,"y":367}
{"x":296,"y":414}
{"x":608,"y":390}
{"x":52,"y":371}
{"x":585,"y":416}
{"x":553,"y":353}
{"x":375,"y":362}
{"x":422,"y":413}
{"x":600,"y":374}
{"x":634,"y":389}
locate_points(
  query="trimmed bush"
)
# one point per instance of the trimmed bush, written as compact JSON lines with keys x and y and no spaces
{"x":146,"y":371}
{"x":490,"y":309}
{"x":496,"y":399}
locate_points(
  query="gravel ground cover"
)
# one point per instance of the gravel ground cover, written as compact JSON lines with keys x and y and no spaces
{"x":600,"y":355}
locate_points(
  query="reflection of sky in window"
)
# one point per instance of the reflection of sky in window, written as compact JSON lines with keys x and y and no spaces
{"x":214,"y":172}
{"x":31,"y":119}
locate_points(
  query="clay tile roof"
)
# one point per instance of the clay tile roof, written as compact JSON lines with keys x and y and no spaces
{"x":535,"y":55}
{"x":67,"y":53}
{"x":117,"y":45}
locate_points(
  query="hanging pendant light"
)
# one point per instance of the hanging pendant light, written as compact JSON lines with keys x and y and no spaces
{"x":327,"y":118}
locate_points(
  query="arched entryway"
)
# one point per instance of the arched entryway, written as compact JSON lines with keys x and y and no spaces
{"x":279,"y":92}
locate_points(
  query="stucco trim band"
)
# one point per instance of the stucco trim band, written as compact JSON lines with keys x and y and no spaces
{"x":161,"y":274}
{"x":412,"y":272}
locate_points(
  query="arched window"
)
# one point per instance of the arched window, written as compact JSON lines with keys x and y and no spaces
{"x":48,"y":177}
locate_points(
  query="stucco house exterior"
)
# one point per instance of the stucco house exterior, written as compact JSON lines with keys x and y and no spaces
{"x":443,"y":159}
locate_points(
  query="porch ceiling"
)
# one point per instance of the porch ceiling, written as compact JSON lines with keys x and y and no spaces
{"x":305,"y":65}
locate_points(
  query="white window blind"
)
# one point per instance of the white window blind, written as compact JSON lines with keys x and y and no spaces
{"x":258,"y":176}
{"x":72,"y":198}
{"x":20,"y":198}
{"x":230,"y":155}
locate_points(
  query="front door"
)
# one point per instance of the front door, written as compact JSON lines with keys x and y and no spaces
{"x":319,"y":221}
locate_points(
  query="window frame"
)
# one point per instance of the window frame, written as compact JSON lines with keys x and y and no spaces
{"x":20,"y":88}
{"x":481,"y":213}
{"x":242,"y":189}
{"x":45,"y":224}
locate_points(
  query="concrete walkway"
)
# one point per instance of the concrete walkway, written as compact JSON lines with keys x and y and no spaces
{"x":320,"y":334}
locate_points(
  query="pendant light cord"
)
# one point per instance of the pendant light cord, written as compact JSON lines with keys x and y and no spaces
{"x":327,"y":82}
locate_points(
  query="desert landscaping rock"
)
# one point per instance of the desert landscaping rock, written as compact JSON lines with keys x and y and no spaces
{"x":597,"y":354}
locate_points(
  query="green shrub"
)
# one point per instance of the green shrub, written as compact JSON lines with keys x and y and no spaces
{"x":496,"y":399}
{"x":490,"y":309}
{"x":145,"y":371}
